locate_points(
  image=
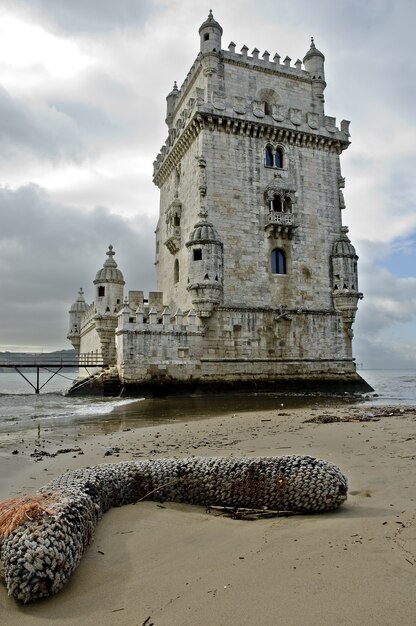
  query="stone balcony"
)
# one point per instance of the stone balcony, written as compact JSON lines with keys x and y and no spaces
{"x":280,"y":224}
{"x":173,"y":242}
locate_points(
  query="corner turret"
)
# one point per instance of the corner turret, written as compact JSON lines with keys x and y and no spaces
{"x":205,"y":280}
{"x":345,"y":279}
{"x":313,"y":62}
{"x":210,"y":33}
{"x":76,"y":313}
{"x":109,"y":284}
{"x":170,"y":104}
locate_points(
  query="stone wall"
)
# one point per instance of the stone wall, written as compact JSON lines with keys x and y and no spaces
{"x":233,"y":345}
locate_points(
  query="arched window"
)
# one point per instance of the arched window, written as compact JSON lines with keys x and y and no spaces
{"x":277,"y":204}
{"x":101,"y":292}
{"x":278,"y":261}
{"x":278,"y":158}
{"x":176,"y":271}
{"x":268,"y":157}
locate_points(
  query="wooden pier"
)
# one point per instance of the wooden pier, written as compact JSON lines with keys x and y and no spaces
{"x":54,"y":367}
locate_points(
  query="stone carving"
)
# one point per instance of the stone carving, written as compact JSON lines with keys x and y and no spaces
{"x":202,"y":186}
{"x":239,"y":105}
{"x":258,"y":108}
{"x":313,"y":120}
{"x":330,"y":124}
{"x":282,"y":313}
{"x":218,"y":101}
{"x":278,"y":112}
{"x":295,"y":116}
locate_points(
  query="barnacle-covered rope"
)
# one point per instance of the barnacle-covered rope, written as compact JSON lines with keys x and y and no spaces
{"x":43,"y":537}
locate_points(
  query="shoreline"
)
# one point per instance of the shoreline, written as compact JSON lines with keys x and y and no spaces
{"x":179,"y":565}
{"x":139,"y":411}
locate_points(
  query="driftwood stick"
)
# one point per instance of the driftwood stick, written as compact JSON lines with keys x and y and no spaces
{"x":245,"y":513}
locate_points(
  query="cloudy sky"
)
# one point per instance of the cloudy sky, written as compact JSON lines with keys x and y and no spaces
{"x":82,"y":108}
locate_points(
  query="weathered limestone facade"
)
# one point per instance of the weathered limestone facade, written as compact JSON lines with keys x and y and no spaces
{"x":257,"y":279}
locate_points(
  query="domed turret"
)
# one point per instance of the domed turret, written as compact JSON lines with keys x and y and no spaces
{"x":344,"y":263}
{"x":109,"y":283}
{"x":203,"y":232}
{"x":170,"y":104}
{"x":344,"y":276}
{"x":205,"y":266}
{"x":109,"y":271}
{"x":79,"y":306}
{"x":76,"y":313}
{"x":313,"y":62}
{"x":210,"y":33}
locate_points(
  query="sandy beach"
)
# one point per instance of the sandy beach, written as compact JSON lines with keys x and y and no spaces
{"x":178,"y":565}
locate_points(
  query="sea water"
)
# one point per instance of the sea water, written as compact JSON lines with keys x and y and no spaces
{"x":22,"y":409}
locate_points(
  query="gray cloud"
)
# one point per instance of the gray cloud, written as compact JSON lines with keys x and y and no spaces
{"x":48,"y":250}
{"x":384,"y":329}
{"x":86,"y":16}
{"x":30,"y":129}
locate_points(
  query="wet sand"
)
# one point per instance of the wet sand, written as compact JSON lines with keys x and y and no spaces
{"x":177,"y":565}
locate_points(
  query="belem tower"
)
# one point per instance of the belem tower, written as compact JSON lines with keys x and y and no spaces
{"x":256,"y":275}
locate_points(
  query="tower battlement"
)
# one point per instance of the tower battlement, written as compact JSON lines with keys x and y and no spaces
{"x":219,"y":89}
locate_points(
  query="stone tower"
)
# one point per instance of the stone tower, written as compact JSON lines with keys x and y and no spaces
{"x":92,"y":327}
{"x":250,"y":232}
{"x":257,"y":279}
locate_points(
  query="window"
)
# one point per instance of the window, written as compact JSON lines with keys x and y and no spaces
{"x":197,"y":254}
{"x":277,"y":204}
{"x":176,"y":271}
{"x":273,"y":157}
{"x":268,"y":157}
{"x":206,"y":36}
{"x":101,"y":292}
{"x":176,"y":220}
{"x":278,"y":261}
{"x":267,"y":109}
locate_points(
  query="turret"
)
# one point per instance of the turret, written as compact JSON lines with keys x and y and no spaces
{"x":76,"y":313}
{"x":210,"y":33}
{"x":205,"y":280}
{"x":170,"y":104}
{"x":313,"y":62}
{"x":109,"y":283}
{"x":345,"y":278}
